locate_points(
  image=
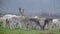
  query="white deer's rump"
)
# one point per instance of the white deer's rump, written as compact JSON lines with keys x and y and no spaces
{"x":55,"y":23}
{"x":3,"y":20}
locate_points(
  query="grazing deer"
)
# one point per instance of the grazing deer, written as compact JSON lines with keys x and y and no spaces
{"x":46,"y":21}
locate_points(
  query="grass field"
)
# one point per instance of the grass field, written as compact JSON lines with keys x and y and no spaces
{"x":22,"y":31}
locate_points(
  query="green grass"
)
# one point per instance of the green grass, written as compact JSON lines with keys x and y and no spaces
{"x":22,"y":31}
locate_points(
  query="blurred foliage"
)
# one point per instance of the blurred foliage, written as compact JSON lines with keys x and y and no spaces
{"x":0,"y":23}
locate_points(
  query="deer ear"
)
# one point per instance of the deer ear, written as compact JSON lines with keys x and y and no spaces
{"x":21,"y":11}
